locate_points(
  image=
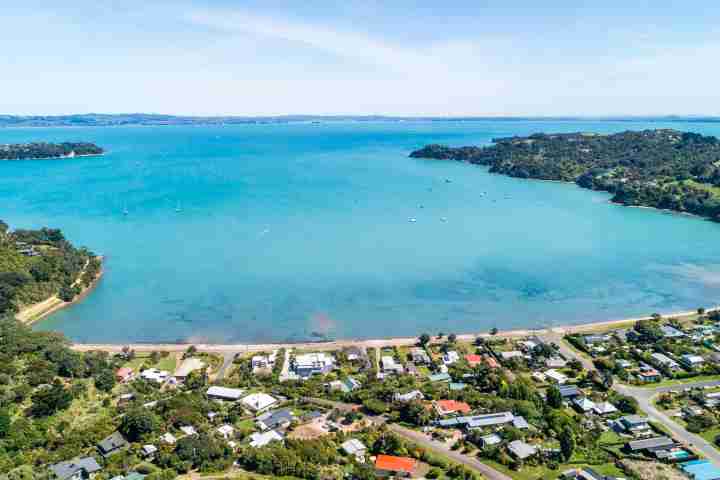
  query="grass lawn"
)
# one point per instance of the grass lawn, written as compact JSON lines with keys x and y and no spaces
{"x":544,"y":473}
{"x":142,"y":358}
{"x":710,"y":435}
{"x":680,"y":382}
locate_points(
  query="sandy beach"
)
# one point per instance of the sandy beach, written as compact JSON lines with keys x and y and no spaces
{"x":371,"y":343}
{"x":37,"y":311}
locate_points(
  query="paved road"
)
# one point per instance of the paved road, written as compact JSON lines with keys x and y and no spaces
{"x":228,"y":358}
{"x":645,"y":396}
{"x":443,"y":449}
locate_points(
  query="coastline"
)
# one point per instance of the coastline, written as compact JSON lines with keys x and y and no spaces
{"x":367,"y":343}
{"x":37,"y":311}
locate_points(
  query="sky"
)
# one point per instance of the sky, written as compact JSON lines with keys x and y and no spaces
{"x":391,"y":57}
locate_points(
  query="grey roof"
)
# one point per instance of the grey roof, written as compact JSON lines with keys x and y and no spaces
{"x":520,"y":422}
{"x":633,"y":420}
{"x":651,"y":443}
{"x":521,"y":449}
{"x":670,"y":332}
{"x":440,"y":377}
{"x":64,"y":470}
{"x":112,"y":443}
{"x":278,"y":417}
{"x":569,"y":391}
{"x":478,"y":421}
{"x":353,"y":446}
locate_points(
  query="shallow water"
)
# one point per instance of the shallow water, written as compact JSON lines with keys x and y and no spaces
{"x":290,"y":231}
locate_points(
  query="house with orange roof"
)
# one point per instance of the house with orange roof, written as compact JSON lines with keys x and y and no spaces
{"x":123,"y":374}
{"x":473,"y":359}
{"x":447,"y":407}
{"x":391,"y":466}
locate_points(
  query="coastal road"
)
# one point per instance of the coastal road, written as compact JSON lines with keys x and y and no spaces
{"x":645,"y":397}
{"x":443,"y":449}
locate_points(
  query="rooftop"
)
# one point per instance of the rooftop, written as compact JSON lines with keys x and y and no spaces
{"x":395,"y":464}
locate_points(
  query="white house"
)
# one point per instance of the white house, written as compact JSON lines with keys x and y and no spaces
{"x":155,"y":375}
{"x":225,"y":393}
{"x":263,"y":362}
{"x":258,"y":402}
{"x":226,"y":431}
{"x":556,"y":376}
{"x":258,"y":440}
{"x":355,"y":448}
{"x":310,"y":364}
{"x":450,"y":357}
{"x":691,"y":361}
{"x":389,"y":365}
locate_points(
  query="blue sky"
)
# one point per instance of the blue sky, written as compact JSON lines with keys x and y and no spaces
{"x":474,"y":57}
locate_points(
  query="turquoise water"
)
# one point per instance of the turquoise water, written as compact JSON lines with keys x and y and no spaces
{"x":286,"y":230}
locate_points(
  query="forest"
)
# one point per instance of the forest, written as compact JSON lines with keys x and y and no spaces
{"x":27,"y":151}
{"x":666,"y":169}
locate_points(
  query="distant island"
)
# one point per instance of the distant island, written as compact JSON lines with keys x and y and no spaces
{"x":154,"y":119}
{"x":40,"y":150}
{"x":665,"y":169}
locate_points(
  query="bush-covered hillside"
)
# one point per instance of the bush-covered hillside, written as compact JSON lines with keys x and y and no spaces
{"x":37,"y":264}
{"x":22,"y":151}
{"x":664,"y":169}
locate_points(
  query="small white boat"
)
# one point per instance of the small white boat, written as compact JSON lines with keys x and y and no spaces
{"x":443,"y":219}
{"x":177,"y":208}
{"x":413,"y":220}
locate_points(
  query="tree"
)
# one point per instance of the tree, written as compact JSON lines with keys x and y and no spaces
{"x":452,"y":338}
{"x":138,"y":422}
{"x":49,"y":400}
{"x":494,"y":331}
{"x":424,"y":339}
{"x":567,"y":443}
{"x":626,"y":404}
{"x":554,"y":397}
{"x":4,"y":422}
{"x":105,"y":380}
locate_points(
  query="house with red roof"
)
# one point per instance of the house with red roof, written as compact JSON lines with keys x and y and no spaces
{"x":447,"y":407}
{"x":123,"y":374}
{"x":473,"y":359}
{"x":391,"y":466}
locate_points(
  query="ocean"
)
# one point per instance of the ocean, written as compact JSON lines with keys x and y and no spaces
{"x":301,"y":231}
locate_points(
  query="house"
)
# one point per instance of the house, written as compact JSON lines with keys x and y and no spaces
{"x":258,"y":440}
{"x":168,"y":438}
{"x":670,"y":332}
{"x":226,"y":431}
{"x":408,"y":397}
{"x":155,"y":375}
{"x":279,"y":419}
{"x":539,"y":376}
{"x":491,"y":362}
{"x":188,"y":366}
{"x":457,"y":386}
{"x":520,"y":423}
{"x":355,"y":448}
{"x":148,"y":451}
{"x":389,"y":365}
{"x":527,"y":346}
{"x":701,"y":470}
{"x":624,"y":364}
{"x":473,"y":359}
{"x":635,"y":424}
{"x":477,"y":421}
{"x":521,"y":450}
{"x":691,"y":361}
{"x":260,"y":363}
{"x":593,"y":339}
{"x":568,"y":392}
{"x":664,"y":361}
{"x":225,"y":393}
{"x":555,"y":362}
{"x":511,"y":354}
{"x":440,"y":377}
{"x":586,"y":473}
{"x":583,"y":404}
{"x":555,"y":376}
{"x":310,"y":364}
{"x":648,"y":374}
{"x":448,"y":407}
{"x":112,"y":444}
{"x":188,"y":430}
{"x":123,"y":374}
{"x":490,"y":440}
{"x":419,"y":356}
{"x":258,"y":402}
{"x":345,"y":386}
{"x":391,"y":466}
{"x":650,"y":445}
{"x":450,"y":357}
{"x":77,"y":469}
{"x":604,"y":408}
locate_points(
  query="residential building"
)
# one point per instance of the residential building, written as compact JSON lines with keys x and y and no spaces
{"x":490,"y":440}
{"x":671,"y":332}
{"x":419,"y":356}
{"x":392,"y":466}
{"x":225,"y":393}
{"x":168,"y":438}
{"x":568,"y":392}
{"x":155,"y":375}
{"x":604,"y":408}
{"x":258,"y":402}
{"x":148,"y":451}
{"x":346,"y":386}
{"x":521,"y":450}
{"x":440,"y":377}
{"x":389,"y":365}
{"x":188,"y":430}
{"x":77,"y":469}
{"x":664,"y":361}
{"x":258,"y":440}
{"x":188,"y":366}
{"x":278,"y":419}
{"x":408,"y":397}
{"x":355,"y":448}
{"x":555,"y":362}
{"x":450,"y":357}
{"x":308,"y":364}
{"x":583,"y":404}
{"x":555,"y":376}
{"x":692,"y":361}
{"x":473,"y":359}
{"x":123,"y":374}
{"x":112,"y":444}
{"x":511,"y":354}
{"x":520,"y":423}
{"x":635,"y":424}
{"x":448,"y":407}
{"x":263,"y":362}
{"x":477,"y":421}
{"x":650,"y":445}
{"x":226,"y":431}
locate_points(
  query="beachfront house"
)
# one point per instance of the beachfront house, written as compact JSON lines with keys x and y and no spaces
{"x":419,"y":356}
{"x":671,"y":332}
{"x":155,"y":375}
{"x":309,"y":364}
{"x":188,"y":366}
{"x":263,"y":363}
{"x":450,"y":357}
{"x":124,"y":374}
{"x":389,"y":365}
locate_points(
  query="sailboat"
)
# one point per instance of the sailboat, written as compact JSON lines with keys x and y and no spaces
{"x":125,"y":211}
{"x":177,"y":207}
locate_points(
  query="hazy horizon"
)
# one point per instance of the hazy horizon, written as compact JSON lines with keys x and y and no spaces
{"x":406,"y":59}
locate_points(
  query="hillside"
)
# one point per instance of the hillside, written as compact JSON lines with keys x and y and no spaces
{"x":665,"y":169}
{"x":26,"y":151}
{"x":37,"y":264}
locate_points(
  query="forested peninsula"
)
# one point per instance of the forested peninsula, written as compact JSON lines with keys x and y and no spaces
{"x":28,"y":151}
{"x":663,"y":168}
{"x":38,"y":264}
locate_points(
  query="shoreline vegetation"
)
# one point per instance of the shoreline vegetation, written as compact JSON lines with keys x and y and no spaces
{"x":42,"y":272}
{"x":373,"y":343}
{"x":43,"y":150}
{"x":662,"y":169}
